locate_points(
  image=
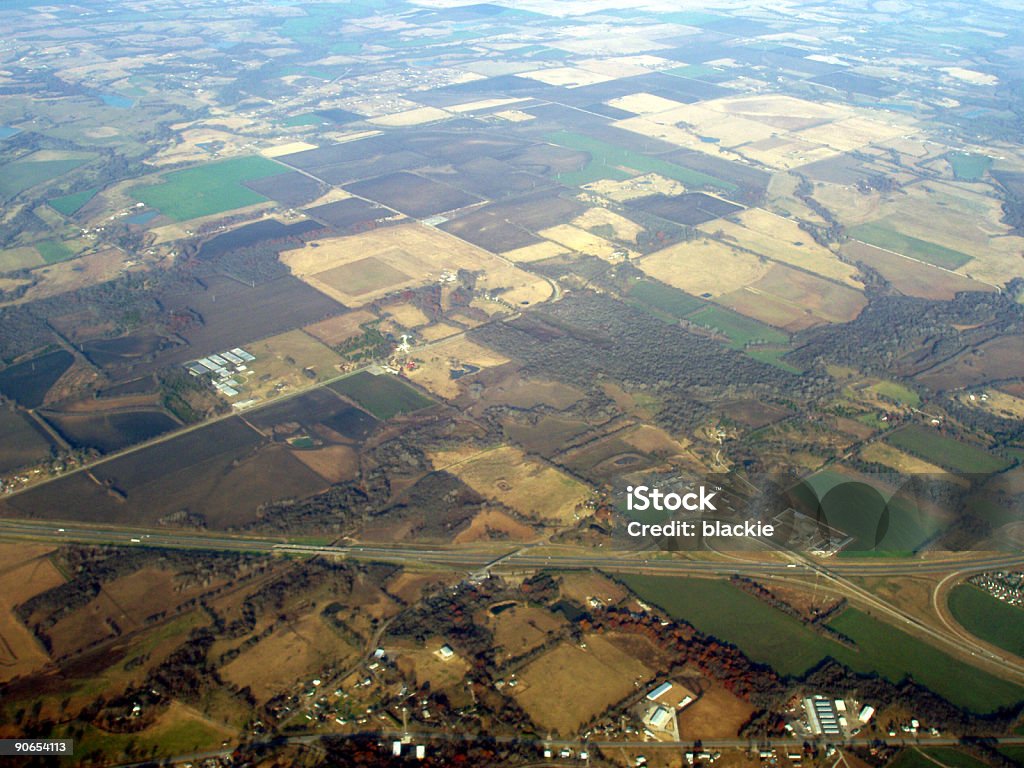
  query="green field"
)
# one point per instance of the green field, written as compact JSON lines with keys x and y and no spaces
{"x":663,"y":300}
{"x":383,"y":396}
{"x":68,"y":204}
{"x":208,"y":189}
{"x":945,"y":451}
{"x":309,"y":118}
{"x":740,"y":329}
{"x":990,"y":619}
{"x":608,"y":161}
{"x":926,"y":757}
{"x":898,"y":392}
{"x":883,"y":237}
{"x":967,"y":167}
{"x":719,"y":609}
{"x":858,"y":512}
{"x":20,"y":175}
{"x":53,"y":251}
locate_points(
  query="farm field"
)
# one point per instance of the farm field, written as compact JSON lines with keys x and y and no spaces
{"x":109,"y":432}
{"x":286,"y":363}
{"x":610,"y":672}
{"x":21,"y":175}
{"x":702,"y":267}
{"x":945,"y":451}
{"x":897,"y":392}
{"x":208,"y":189}
{"x":969,"y":167}
{"x":663,"y":300}
{"x":435,"y":365}
{"x":534,"y":490}
{"x":608,"y":161}
{"x":27,"y":571}
{"x":28,"y":382}
{"x":385,"y":396}
{"x":23,"y":444}
{"x":521,"y":628}
{"x":988,"y":617}
{"x":929,"y":757}
{"x":882,"y":236}
{"x":741,"y":330}
{"x":883,"y":453}
{"x":725,"y":612}
{"x":782,"y":240}
{"x":69,"y":204}
{"x":361,"y":268}
{"x":913,"y":278}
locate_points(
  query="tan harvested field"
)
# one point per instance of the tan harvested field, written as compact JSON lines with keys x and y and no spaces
{"x":910,"y":277}
{"x":653,"y":440}
{"x":640,"y":186}
{"x":821,"y":298}
{"x":599,"y":675}
{"x":580,"y":241}
{"x":435,"y":364}
{"x":972,"y":76}
{"x":716,"y":714}
{"x":337,"y":330}
{"x":853,"y":132}
{"x":438,"y":331}
{"x":26,"y":571}
{"x":474,"y":106}
{"x":571,"y":77}
{"x":625,"y":230}
{"x":522,"y":628}
{"x":280,"y":150}
{"x":625,"y":66}
{"x":520,"y":392}
{"x":883,"y":453}
{"x":491,"y":522}
{"x":532,"y":489}
{"x":999,"y":403}
{"x":73,"y":274}
{"x":644,"y":103}
{"x":409,"y":117}
{"x":358,"y":269}
{"x":407,"y":315}
{"x":514,"y":116}
{"x":12,"y":259}
{"x":334,"y":463}
{"x":704,"y":266}
{"x":182,"y":229}
{"x":583,"y":586}
{"x":292,"y":653}
{"x":281,"y":364}
{"x":782,"y":240}
{"x":426,"y":666}
{"x":535,"y":252}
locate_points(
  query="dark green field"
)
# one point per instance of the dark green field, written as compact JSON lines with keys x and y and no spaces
{"x":53,"y":251}
{"x":209,"y":189}
{"x":383,"y":396}
{"x":990,"y":619}
{"x":721,"y":610}
{"x":930,"y":757}
{"x":882,"y":237}
{"x":740,"y":329}
{"x":967,"y":167}
{"x":945,"y":451}
{"x":661,"y":299}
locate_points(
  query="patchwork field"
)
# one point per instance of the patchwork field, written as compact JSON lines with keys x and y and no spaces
{"x":361,"y":268}
{"x":338,"y":330}
{"x":932,"y":446}
{"x":27,"y":572}
{"x":532,"y":489}
{"x":384,"y":396}
{"x":911,"y":277}
{"x":610,"y":675}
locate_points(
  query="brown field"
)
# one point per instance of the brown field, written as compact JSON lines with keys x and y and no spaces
{"x":910,"y":277}
{"x":548,"y":436}
{"x":821,"y":298}
{"x":427,"y":667}
{"x":435,"y":364}
{"x":281,"y":364}
{"x":520,"y":629}
{"x":993,"y":360}
{"x":653,"y":440}
{"x":769,"y":309}
{"x":291,"y":653}
{"x":407,"y":315}
{"x":490,"y":522}
{"x":334,"y":463}
{"x":704,"y":266}
{"x":999,"y":403}
{"x":12,"y":259}
{"x":77,"y":273}
{"x":411,"y":587}
{"x":609,"y":674}
{"x":716,"y":714}
{"x":340,"y":329}
{"x":438,"y":331}
{"x":532,"y":489}
{"x":529,"y":393}
{"x":583,"y":586}
{"x":360,"y":268}
{"x":26,"y":571}
{"x":783,"y":240}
